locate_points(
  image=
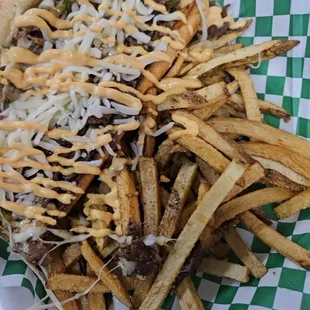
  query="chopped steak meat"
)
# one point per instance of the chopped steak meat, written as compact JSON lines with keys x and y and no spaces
{"x":36,"y":251}
{"x":214,"y":32}
{"x":146,"y":257}
{"x":104,"y":120}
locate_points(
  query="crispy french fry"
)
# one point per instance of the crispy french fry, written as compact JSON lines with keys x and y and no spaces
{"x":236,"y":101}
{"x":215,"y":44}
{"x":248,"y":93}
{"x":75,"y":283}
{"x":188,"y":296}
{"x":109,"y":248}
{"x":244,"y":56}
{"x":263,"y":133}
{"x":190,"y":235}
{"x":225,"y":269}
{"x":96,"y":302}
{"x":284,"y":156}
{"x":163,"y":156}
{"x":177,"y":199}
{"x":227,"y":49}
{"x":175,"y":69}
{"x":256,"y":268}
{"x":275,"y":240}
{"x":203,"y":149}
{"x":275,"y":178}
{"x":142,"y":288}
{"x":220,"y":249}
{"x":71,"y":255}
{"x":105,"y":275}
{"x":206,"y":112}
{"x":129,"y":204}
{"x":218,"y":77}
{"x":55,"y":266}
{"x":295,"y":204}
{"x":250,"y":201}
{"x":227,"y":111}
{"x":287,"y":172}
{"x":149,"y":191}
{"x":206,"y":132}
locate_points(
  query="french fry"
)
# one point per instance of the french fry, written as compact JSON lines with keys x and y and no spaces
{"x":225,"y":269}
{"x":192,"y":100}
{"x":236,"y":101}
{"x":164,"y":197}
{"x":178,"y":196}
{"x":244,"y":56}
{"x":295,"y":204}
{"x":202,"y":149}
{"x":248,"y":93}
{"x":256,"y":268}
{"x":176,"y":67}
{"x":275,"y":178}
{"x":96,"y":301}
{"x":275,"y":240}
{"x":215,"y":44}
{"x":284,"y":156}
{"x":188,"y":296}
{"x":129,"y":204}
{"x":206,"y":112}
{"x":158,"y":69}
{"x":71,"y":255}
{"x":253,"y":174}
{"x":287,"y":172}
{"x":218,"y":77}
{"x":163,"y":156}
{"x":149,"y":191}
{"x":220,"y":249}
{"x":190,"y":235}
{"x":263,"y":133}
{"x":75,"y":283}
{"x":211,"y":136}
{"x":227,"y":49}
{"x":109,"y":248}
{"x":55,"y":266}
{"x":105,"y":275}
{"x":250,"y":201}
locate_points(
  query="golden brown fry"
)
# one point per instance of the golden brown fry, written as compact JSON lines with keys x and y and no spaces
{"x":71,"y":255}
{"x":215,"y":44}
{"x":227,"y":49}
{"x":248,"y":93}
{"x":206,"y":112}
{"x":213,"y":79}
{"x":55,"y":266}
{"x":252,"y":175}
{"x":129,"y":204}
{"x":256,"y":268}
{"x":276,"y":241}
{"x":225,"y":269}
{"x":176,"y":67}
{"x":232,"y":87}
{"x":96,"y":302}
{"x":250,"y":201}
{"x":105,"y":275}
{"x":178,"y":196}
{"x":286,"y":157}
{"x":287,"y":172}
{"x":265,"y":107}
{"x":295,"y":204}
{"x":206,"y":132}
{"x":263,"y":133}
{"x":203,"y":149}
{"x":188,"y":296}
{"x":109,"y":248}
{"x":208,"y":172}
{"x":163,"y":156}
{"x":75,"y":283}
{"x":149,"y":192}
{"x":190,"y":235}
{"x":227,"y":111}
{"x":244,"y":56}
{"x":160,"y":68}
{"x":220,"y":249}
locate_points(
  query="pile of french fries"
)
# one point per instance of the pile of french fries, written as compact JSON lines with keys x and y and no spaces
{"x":195,"y":187}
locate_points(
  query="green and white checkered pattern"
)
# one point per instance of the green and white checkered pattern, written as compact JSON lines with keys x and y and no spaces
{"x":286,"y":82}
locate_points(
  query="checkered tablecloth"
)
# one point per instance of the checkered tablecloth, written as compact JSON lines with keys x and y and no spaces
{"x":286,"y":82}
